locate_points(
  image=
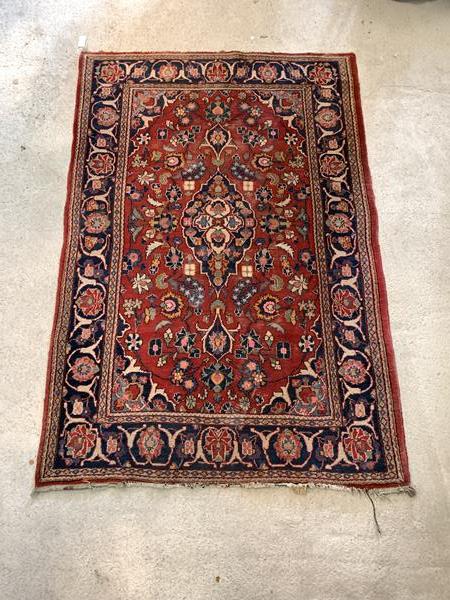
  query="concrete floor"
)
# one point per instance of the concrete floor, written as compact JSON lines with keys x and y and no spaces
{"x":233,"y":544}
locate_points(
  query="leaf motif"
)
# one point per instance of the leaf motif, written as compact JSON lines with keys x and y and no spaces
{"x":291,"y":316}
{"x":150,"y":314}
{"x":286,"y":248}
{"x":277,"y":327}
{"x":154,"y":202}
{"x":161,"y":324}
{"x":152,"y":247}
{"x":284,"y":202}
{"x":161,"y":281}
{"x":277,"y":283}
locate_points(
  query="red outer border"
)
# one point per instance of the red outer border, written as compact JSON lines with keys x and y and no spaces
{"x":379,"y":279}
{"x":62,"y":262}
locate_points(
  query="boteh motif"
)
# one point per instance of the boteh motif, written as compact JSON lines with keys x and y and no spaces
{"x":225,"y":323}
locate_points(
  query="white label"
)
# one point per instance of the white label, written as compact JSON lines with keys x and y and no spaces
{"x":82,"y":42}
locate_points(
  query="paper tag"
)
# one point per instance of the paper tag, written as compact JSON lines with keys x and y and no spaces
{"x":82,"y":42}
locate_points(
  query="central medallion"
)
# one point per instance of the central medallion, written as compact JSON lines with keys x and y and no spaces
{"x":219,"y":226}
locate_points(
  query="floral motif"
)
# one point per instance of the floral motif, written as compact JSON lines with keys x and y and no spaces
{"x":107,"y":116}
{"x":268,"y":73}
{"x":353,"y":371}
{"x":321,"y":74}
{"x":150,"y":444}
{"x":217,"y":112}
{"x":332,"y":165}
{"x":167,"y":222}
{"x":345,"y":303}
{"x":97,"y":222}
{"x":288,"y":446}
{"x":217,"y":72}
{"x":90,"y":302}
{"x":253,"y":376}
{"x":217,"y":377}
{"x":84,"y":369}
{"x":168,"y":71}
{"x":263,"y":260}
{"x":339,"y":223}
{"x":171,"y":305}
{"x":111,"y":72}
{"x":218,"y":443}
{"x":358,"y":444}
{"x":101,"y":164}
{"x":327,"y":118}
{"x":273,"y":223}
{"x":267,"y":307}
{"x":174,"y":258}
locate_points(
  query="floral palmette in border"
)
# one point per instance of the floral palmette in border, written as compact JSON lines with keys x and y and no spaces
{"x":365,"y":446}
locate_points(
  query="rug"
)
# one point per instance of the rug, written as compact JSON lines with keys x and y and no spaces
{"x":221,"y":312}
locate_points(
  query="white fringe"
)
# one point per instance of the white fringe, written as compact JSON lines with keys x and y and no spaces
{"x":299,"y":488}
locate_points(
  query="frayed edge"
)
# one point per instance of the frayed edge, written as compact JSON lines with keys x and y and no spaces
{"x":298,"y":488}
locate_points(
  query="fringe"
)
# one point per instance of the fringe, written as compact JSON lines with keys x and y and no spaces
{"x":297,"y":488}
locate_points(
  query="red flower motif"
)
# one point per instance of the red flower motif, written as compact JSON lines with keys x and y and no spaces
{"x":168,"y":72}
{"x":358,"y":444}
{"x":353,"y":371}
{"x":90,"y":302}
{"x":150,"y":443}
{"x":218,"y":443}
{"x":339,"y":223}
{"x":327,"y":118}
{"x":345,"y":303}
{"x":217,"y":71}
{"x":331,"y":165}
{"x":111,"y":72}
{"x":101,"y":164}
{"x":321,"y":74}
{"x":107,"y":116}
{"x":84,"y":368}
{"x":80,"y":440}
{"x":268,"y":73}
{"x":288,"y":445}
{"x":97,"y":222}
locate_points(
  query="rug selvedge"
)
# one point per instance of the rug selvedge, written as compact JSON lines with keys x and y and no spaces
{"x":221,"y":314}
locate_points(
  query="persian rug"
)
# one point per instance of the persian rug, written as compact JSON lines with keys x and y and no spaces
{"x":221,"y":313}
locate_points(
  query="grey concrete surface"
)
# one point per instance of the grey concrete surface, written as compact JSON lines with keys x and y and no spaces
{"x":230,"y":544}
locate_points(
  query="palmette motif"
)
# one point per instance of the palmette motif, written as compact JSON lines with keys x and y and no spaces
{"x":219,"y":318}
